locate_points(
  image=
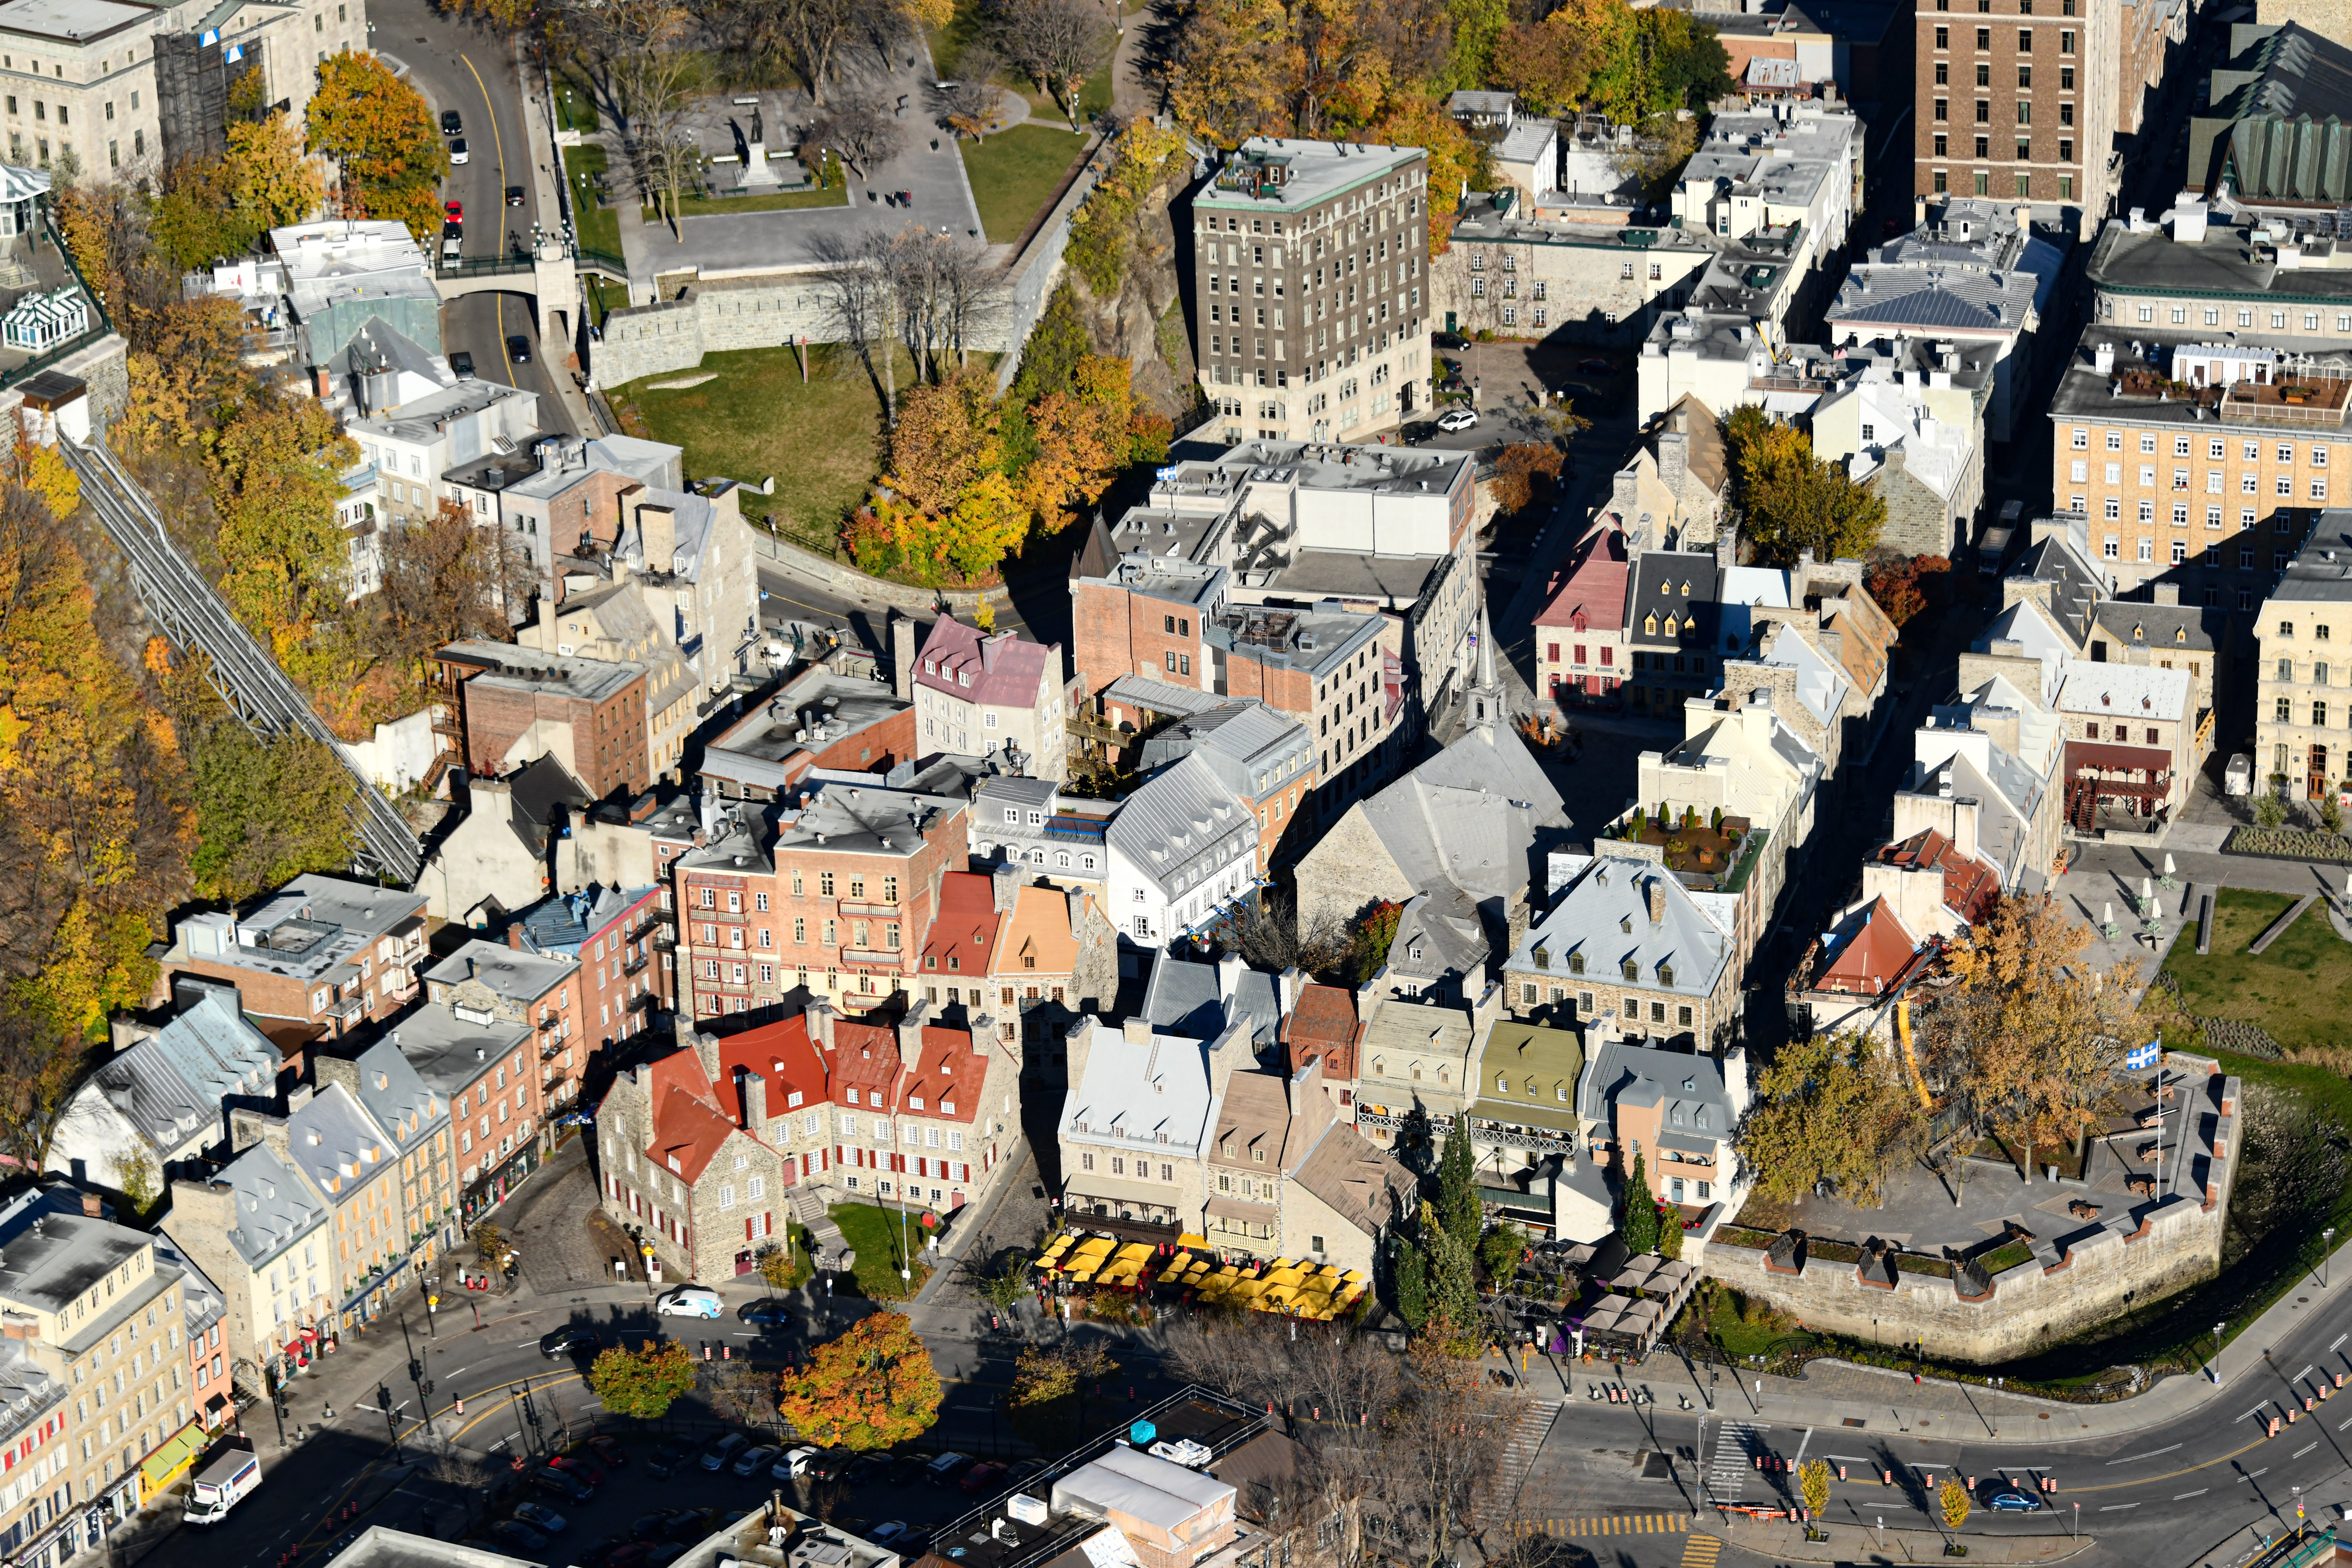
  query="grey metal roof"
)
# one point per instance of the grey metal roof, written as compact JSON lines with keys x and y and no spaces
{"x":201,"y":1303}
{"x":447,"y":1052}
{"x":275,"y":1207}
{"x":170,"y":1085}
{"x":1604,"y":915}
{"x":1439,"y":934}
{"x":1254,"y":749}
{"x":1472,"y":817}
{"x":335,"y":1142}
{"x":1187,"y":998}
{"x":1167,"y":823}
{"x":1136,"y":1092}
{"x":2322,"y":569}
{"x":1623,"y":1073}
{"x":1660,"y":580}
{"x":51,"y":1253}
{"x":396,"y":1097}
{"x":507,"y":972}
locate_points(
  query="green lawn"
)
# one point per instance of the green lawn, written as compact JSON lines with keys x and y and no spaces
{"x":820,"y":438}
{"x":783,"y":201}
{"x":1014,"y":173}
{"x":574,"y":109}
{"x":874,"y":1232}
{"x":2299,"y":988}
{"x":598,"y":228}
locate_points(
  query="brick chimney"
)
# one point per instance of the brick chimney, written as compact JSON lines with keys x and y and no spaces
{"x":820,"y":1024}
{"x":248,"y":1126}
{"x":1657,"y":891}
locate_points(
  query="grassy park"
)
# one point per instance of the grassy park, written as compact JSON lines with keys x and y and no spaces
{"x":1014,"y":174}
{"x":2299,"y":988}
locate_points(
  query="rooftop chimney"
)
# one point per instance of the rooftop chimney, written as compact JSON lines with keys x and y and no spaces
{"x":1657,"y":891}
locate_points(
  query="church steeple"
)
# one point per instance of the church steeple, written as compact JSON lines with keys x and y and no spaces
{"x":1484,"y":701}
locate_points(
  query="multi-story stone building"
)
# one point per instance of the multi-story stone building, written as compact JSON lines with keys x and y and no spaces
{"x":319,"y":951}
{"x":260,"y":1232}
{"x":510,"y":705}
{"x":1311,"y":262}
{"x":1183,"y":850}
{"x":1521,"y":271}
{"x":2301,"y":742}
{"x":1265,"y":757}
{"x":414,"y":1121}
{"x":1627,"y":943}
{"x":2019,"y":102}
{"x":986,"y":696}
{"x":1581,"y":653}
{"x":835,"y":903}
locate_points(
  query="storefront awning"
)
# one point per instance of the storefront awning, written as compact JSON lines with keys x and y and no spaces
{"x":171,"y":1459}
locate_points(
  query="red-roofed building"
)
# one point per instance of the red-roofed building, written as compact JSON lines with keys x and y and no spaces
{"x":957,"y":952}
{"x":974,"y":694}
{"x":1325,"y":1027}
{"x":1937,"y":888}
{"x":1581,"y":647}
{"x":1861,"y":967}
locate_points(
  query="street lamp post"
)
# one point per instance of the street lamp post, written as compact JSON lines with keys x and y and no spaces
{"x":2217,"y":1353}
{"x":2325,"y":1237}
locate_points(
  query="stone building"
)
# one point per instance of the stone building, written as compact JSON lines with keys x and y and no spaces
{"x":319,"y":951}
{"x":990,"y":696}
{"x":1627,"y":944}
{"x":1339,"y":349}
{"x":2021,"y":104}
{"x":2299,"y":741}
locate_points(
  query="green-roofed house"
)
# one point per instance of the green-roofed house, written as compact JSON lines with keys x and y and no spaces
{"x":2274,"y":133}
{"x":1523,"y":1117}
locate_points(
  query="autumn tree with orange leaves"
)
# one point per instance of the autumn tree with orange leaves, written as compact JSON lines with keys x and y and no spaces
{"x":380,"y":131}
{"x":872,"y":1387}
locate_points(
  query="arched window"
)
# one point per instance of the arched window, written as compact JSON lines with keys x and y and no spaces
{"x":1576,"y":964}
{"x":1665,"y":974}
{"x":1632,"y":969}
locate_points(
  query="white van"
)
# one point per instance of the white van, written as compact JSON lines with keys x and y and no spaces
{"x":220,"y":1485}
{"x":2238,"y":777}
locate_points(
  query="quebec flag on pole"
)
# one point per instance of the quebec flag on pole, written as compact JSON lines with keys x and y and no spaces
{"x":2141,"y":1057}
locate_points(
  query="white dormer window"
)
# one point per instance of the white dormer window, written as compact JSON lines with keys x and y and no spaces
{"x":930,"y":667}
{"x":915,"y":1101}
{"x":792,"y":1100}
{"x":675,"y":1165}
{"x":1012,"y":816}
{"x":964,"y":677}
{"x":947,"y":1107}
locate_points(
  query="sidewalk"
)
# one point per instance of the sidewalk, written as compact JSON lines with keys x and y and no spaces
{"x":547,"y":178}
{"x":1876,"y":1399}
{"x":1784,"y":1541}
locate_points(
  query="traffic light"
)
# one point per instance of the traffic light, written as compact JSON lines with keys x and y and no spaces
{"x":383,"y":1397}
{"x":416,"y":1368}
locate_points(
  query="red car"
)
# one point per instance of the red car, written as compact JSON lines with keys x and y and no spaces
{"x":456,"y":211}
{"x":579,"y":1466}
{"x":980,"y":1477}
{"x":609,"y":1451}
{"x":629,"y":1554}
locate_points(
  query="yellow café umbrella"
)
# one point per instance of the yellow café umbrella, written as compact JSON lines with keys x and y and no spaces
{"x":1135,"y":1250}
{"x":1097,"y":1247}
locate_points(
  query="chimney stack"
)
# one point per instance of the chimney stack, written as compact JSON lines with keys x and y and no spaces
{"x":910,"y":1033}
{"x":902,"y":656}
{"x":1657,"y":891}
{"x":248,"y":1126}
{"x":755,"y":1104}
{"x":820,"y":1024}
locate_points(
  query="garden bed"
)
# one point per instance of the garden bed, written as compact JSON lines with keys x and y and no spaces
{"x":2288,"y":844}
{"x":1741,"y":1235}
{"x":1909,"y":1264}
{"x":2001,"y":1258}
{"x":1831,"y":1252}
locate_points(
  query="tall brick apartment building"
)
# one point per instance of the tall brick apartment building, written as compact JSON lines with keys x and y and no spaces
{"x":1311,"y":321}
{"x":837,"y":902}
{"x":2020,"y":101}
{"x":319,"y":950}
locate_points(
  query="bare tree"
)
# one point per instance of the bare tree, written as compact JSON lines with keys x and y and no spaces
{"x":1056,"y":42}
{"x":805,"y":34}
{"x":970,"y":103}
{"x":1271,"y":936}
{"x":653,"y":73}
{"x":862,"y":128}
{"x":446,"y":578}
{"x":857,"y":307}
{"x":944,"y":287}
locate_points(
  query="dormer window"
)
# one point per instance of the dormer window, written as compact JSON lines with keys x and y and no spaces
{"x":1650,"y":626}
{"x":1632,"y":969}
{"x":2181,"y":634}
{"x":1678,"y":1116}
{"x":1667,"y":975}
{"x":1672,"y":629}
{"x":1702,"y":1118}
{"x":1625,"y":924}
{"x":1576,"y":963}
{"x":1502,"y":1084}
{"x":1543,"y":956}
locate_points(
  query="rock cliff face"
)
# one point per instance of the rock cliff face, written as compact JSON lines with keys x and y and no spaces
{"x":1143,"y":322}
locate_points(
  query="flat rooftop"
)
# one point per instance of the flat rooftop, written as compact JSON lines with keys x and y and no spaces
{"x":1318,"y":466}
{"x":1286,"y":175}
{"x":74,"y":22}
{"x":513,"y":665}
{"x":2322,"y":569}
{"x":381,"y":1547}
{"x":2137,"y":386}
{"x":2230,"y":261}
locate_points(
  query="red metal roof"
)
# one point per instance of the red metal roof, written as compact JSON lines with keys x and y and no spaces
{"x":687,"y":1132}
{"x":1971,"y":884}
{"x":1592,"y":582}
{"x":1874,"y":957}
{"x":963,"y":933}
{"x":781,"y":1056}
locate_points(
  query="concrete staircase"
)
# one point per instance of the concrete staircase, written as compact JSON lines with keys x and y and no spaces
{"x":832,"y":1249}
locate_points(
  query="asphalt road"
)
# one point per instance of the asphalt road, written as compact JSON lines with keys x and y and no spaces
{"x":460,"y":66}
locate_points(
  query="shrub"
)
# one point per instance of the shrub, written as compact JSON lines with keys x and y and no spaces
{"x":2270,"y":813}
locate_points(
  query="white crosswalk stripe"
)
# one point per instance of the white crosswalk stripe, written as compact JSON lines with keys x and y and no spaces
{"x":1519,"y":1450}
{"x":1737,"y":1443}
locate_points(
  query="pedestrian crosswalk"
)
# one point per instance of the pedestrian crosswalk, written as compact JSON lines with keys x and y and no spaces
{"x":1737,"y":1443}
{"x":1699,"y":1551}
{"x":1525,"y":1441}
{"x":1612,"y":1524}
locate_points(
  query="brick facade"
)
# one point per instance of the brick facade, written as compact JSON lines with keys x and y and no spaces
{"x":2017,"y":100}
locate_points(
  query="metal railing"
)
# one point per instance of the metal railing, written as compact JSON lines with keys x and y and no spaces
{"x":194,"y":616}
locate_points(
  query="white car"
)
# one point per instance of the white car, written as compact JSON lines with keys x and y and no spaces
{"x":1454,"y":419}
{"x":457,"y":153}
{"x":690,"y":1302}
{"x":794,"y":1462}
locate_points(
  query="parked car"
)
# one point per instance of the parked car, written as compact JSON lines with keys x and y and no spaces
{"x":792,"y":1462}
{"x":867,"y":1468}
{"x":651,"y":1526}
{"x":1454,"y":419}
{"x":1596,"y":367}
{"x":629,"y":1554}
{"x":947,"y":1467}
{"x":454,"y":210}
{"x":720,"y":1452}
{"x":461,"y":364}
{"x":580,"y":1465}
{"x":571,"y":1337}
{"x":562,"y":1484}
{"x":751,"y":1461}
{"x":888,"y":1531}
{"x":908,"y":1469}
{"x":514,"y":195}
{"x":450,"y":124}
{"x":829,"y":1465}
{"x":670,"y":1458}
{"x":610,"y":1451}
{"x":519,"y":351}
{"x":667,"y":1553}
{"x":766,"y":1310}
{"x":511,"y":1532}
{"x":1023,"y":1469}
{"x":544,"y":1520}
{"x":457,"y":153}
{"x":691,"y":1524}
{"x":981,"y":1479}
